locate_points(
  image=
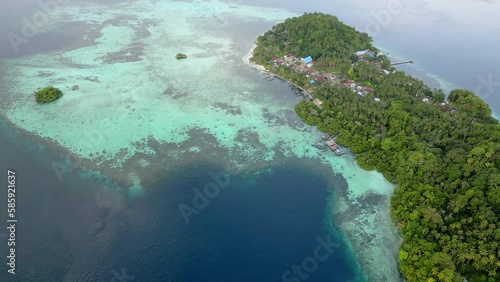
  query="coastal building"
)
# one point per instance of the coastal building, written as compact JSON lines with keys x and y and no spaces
{"x":361,"y":53}
{"x":307,"y":60}
{"x":318,"y":102}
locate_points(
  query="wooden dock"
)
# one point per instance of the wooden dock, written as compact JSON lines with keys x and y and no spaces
{"x":270,"y":76}
{"x":403,"y":62}
{"x":335,"y":148}
{"x":307,"y":94}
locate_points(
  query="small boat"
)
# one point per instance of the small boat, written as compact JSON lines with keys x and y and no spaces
{"x":326,"y":136}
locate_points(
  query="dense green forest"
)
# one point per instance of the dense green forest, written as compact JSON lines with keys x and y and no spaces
{"x":444,"y":157}
{"x":47,"y":94}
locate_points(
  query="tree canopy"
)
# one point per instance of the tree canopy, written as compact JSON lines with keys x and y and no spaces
{"x":47,"y":94}
{"x":444,"y":156}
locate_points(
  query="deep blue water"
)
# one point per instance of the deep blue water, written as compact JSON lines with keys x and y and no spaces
{"x":255,"y":229}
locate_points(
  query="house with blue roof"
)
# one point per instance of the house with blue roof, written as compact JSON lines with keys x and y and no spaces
{"x":361,"y":53}
{"x":307,"y":60}
{"x":365,"y":52}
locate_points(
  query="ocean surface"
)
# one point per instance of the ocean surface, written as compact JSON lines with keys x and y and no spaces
{"x":260,"y":225}
{"x":91,"y":210}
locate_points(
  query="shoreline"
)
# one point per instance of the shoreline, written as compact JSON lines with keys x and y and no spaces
{"x":495,"y":115}
{"x":264,"y":70}
{"x":414,"y":97}
{"x":366,"y":260}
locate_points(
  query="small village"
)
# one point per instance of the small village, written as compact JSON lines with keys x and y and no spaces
{"x":304,"y":65}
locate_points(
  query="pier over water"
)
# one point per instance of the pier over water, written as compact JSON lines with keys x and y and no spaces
{"x":403,"y":62}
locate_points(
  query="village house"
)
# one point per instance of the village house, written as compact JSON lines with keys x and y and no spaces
{"x":318,"y":102}
{"x":364,"y":53}
{"x":307,"y":60}
{"x":361,"y":53}
{"x":347,"y":83}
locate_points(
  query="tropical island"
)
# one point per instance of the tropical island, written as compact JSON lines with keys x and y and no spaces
{"x":443,"y":154}
{"x":180,"y":56}
{"x":47,"y":94}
